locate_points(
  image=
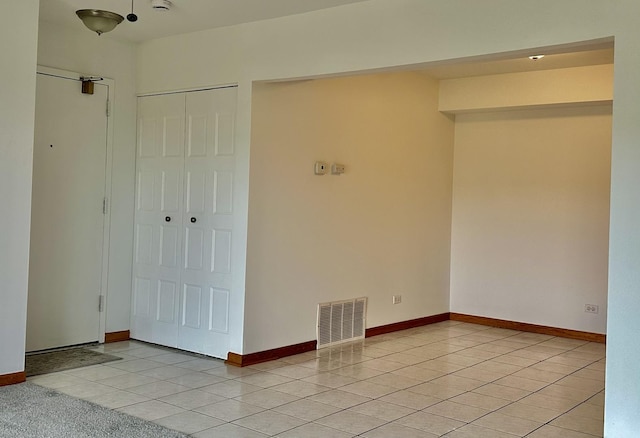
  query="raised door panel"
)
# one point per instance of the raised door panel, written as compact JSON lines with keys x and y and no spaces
{"x":209,"y":170}
{"x":158,"y":218}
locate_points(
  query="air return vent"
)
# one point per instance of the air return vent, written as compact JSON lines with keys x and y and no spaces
{"x":341,"y":321}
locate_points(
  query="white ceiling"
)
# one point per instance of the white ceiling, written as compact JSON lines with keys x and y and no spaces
{"x":185,"y":16}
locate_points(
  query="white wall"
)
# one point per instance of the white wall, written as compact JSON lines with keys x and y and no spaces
{"x":530,"y":227}
{"x":87,"y":53}
{"x":390,"y":33}
{"x":380,"y":229}
{"x":17,"y":110}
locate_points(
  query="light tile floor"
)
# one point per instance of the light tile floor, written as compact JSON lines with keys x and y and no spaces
{"x":449,"y":379}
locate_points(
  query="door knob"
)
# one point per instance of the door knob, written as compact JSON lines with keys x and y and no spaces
{"x":167,"y":219}
{"x":193,"y":220}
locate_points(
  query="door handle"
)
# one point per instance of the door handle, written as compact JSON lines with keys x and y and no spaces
{"x":193,"y":220}
{"x":167,"y":219}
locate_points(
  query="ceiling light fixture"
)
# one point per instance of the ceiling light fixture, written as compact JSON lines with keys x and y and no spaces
{"x":99,"y":21}
{"x":536,"y":57}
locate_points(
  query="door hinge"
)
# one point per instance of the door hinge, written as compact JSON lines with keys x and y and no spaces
{"x":105,"y":206}
{"x":101,"y":303}
{"x":108,"y":108}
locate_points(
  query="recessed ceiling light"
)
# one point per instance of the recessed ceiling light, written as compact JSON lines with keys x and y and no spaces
{"x":536,"y":57}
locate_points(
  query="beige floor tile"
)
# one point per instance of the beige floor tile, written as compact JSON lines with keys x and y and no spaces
{"x":458,"y":382}
{"x":480,"y":374}
{"x":86,"y":390}
{"x":57,"y":380}
{"x":172,"y":358}
{"x":545,"y":401}
{"x":151,"y":410}
{"x":192,"y":399}
{"x":473,"y":431}
{"x":457,"y":411}
{"x":307,"y":410}
{"x":580,"y":424}
{"x":300,"y":389}
{"x":367,"y":389}
{"x":264,"y":379}
{"x":418,"y":373}
{"x":480,"y":401}
{"x":313,"y":430}
{"x":201,"y":364}
{"x":535,"y":374}
{"x":97,"y":372}
{"x":395,"y":381}
{"x":163,"y":372}
{"x":229,"y":410}
{"x":269,"y":422}
{"x":330,"y":380}
{"x":196,"y":379}
{"x":158,"y":389}
{"x":549,"y":431}
{"x":555,"y":367}
{"x":410,"y":399}
{"x":443,"y":366}
{"x":588,"y":411}
{"x":117,"y":399}
{"x":188,"y":422}
{"x":230,"y":372}
{"x":434,"y":424}
{"x":396,"y":430}
{"x":351,"y":422}
{"x":229,"y":430}
{"x":382,"y":364}
{"x":358,"y":372}
{"x":230,"y":388}
{"x":267,"y":398}
{"x":439,"y":391}
{"x":128,"y":380}
{"x":521,"y":383}
{"x":341,"y":399}
{"x":590,"y":374}
{"x":134,"y":366}
{"x":580,"y":383}
{"x":501,"y":391}
{"x":529,"y":412}
{"x":293,"y":372}
{"x":575,"y":394}
{"x":384,"y":410}
{"x":512,"y":359}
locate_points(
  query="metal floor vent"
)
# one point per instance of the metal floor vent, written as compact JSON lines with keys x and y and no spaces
{"x":341,"y":321}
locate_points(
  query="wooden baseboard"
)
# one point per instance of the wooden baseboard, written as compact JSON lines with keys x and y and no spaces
{"x":12,"y":379}
{"x":532,"y":328}
{"x":244,"y":360}
{"x":117,"y":336}
{"x":404,"y":325}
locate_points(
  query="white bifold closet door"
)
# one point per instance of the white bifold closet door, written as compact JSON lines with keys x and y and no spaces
{"x":184,"y":217}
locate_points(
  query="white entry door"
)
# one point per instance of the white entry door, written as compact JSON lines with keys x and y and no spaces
{"x":67,"y":220}
{"x":184,"y":217}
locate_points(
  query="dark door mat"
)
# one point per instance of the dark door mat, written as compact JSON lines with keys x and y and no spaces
{"x":28,"y":411}
{"x":61,"y":360}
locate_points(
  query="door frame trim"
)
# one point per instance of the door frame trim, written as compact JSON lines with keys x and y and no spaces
{"x":106,"y":228}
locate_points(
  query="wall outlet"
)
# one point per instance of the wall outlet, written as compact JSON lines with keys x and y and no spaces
{"x":320,"y":168}
{"x":591,"y":308}
{"x":397,"y":299}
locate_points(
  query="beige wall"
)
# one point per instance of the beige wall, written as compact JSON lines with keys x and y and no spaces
{"x":382,"y":228}
{"x":531,"y":215}
{"x":585,"y":85}
{"x":17,"y":110}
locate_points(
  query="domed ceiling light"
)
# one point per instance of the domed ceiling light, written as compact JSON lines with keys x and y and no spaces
{"x":99,"y":21}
